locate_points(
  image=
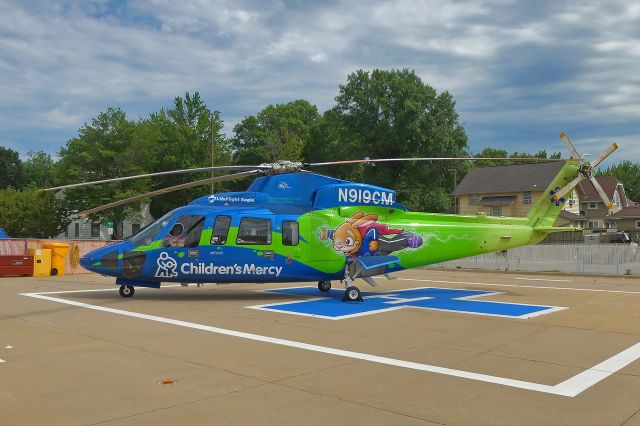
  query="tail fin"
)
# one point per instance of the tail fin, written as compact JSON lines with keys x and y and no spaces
{"x":546,"y":210}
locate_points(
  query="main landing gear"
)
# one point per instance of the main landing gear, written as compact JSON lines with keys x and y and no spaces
{"x":352,"y":294}
{"x":127,"y":290}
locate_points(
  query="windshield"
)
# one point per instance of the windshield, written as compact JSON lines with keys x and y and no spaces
{"x":148,"y":234}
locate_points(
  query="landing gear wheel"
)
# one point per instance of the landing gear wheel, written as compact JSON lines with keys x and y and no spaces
{"x":324,"y":285}
{"x":352,"y":294}
{"x":127,"y":291}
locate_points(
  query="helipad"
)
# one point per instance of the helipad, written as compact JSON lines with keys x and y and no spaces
{"x":77,"y":353}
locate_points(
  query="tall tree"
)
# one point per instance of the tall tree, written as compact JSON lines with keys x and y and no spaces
{"x":382,"y":114}
{"x":102,"y":150}
{"x":628,"y":173}
{"x":278,"y":132}
{"x":39,"y":169}
{"x":11,"y":172}
{"x":31,"y":214}
{"x":180,"y":138}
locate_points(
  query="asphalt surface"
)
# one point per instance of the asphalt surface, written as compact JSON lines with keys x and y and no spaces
{"x":92,"y":357}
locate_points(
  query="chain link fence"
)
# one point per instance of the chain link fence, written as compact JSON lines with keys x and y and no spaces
{"x":604,"y":259}
{"x":77,"y":249}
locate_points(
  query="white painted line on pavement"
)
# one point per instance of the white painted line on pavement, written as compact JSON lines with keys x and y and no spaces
{"x":518,"y":285}
{"x":543,"y":279}
{"x":569,"y":388}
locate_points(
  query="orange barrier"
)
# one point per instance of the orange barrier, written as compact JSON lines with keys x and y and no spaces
{"x":77,"y":249}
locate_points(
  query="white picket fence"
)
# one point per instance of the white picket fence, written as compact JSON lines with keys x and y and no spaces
{"x":605,"y":259}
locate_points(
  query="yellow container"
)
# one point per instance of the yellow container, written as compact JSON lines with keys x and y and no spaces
{"x":58,"y":257}
{"x":41,"y":262}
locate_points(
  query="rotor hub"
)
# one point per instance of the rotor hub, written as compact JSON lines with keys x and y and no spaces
{"x":282,"y":166}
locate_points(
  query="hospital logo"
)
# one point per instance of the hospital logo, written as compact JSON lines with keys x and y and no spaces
{"x":167,"y":266}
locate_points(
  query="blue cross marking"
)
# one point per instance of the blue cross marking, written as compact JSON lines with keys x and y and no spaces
{"x":329,"y":305}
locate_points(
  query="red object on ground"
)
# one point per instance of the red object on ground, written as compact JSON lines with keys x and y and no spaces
{"x":13,"y":265}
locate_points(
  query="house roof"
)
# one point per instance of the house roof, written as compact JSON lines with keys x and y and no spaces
{"x":512,"y":178}
{"x":588,"y":191}
{"x":626,"y":213}
{"x":571,"y":216}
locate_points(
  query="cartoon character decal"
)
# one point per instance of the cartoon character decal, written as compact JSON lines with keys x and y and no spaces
{"x":363,"y":235}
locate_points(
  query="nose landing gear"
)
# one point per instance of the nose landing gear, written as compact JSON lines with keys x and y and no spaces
{"x":127,"y":290}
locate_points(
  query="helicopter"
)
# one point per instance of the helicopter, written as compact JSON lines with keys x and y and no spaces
{"x":293,"y":225}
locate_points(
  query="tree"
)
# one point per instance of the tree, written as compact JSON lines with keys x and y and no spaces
{"x":31,"y":214}
{"x":10,"y":168}
{"x":180,"y":138}
{"x":39,"y":170}
{"x":628,"y":173}
{"x":278,"y":132}
{"x":102,"y":150}
{"x":383,"y":114}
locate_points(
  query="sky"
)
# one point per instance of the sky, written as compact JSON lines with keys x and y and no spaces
{"x":521,"y":72}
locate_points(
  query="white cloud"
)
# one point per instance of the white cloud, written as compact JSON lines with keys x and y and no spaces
{"x":513,"y":67}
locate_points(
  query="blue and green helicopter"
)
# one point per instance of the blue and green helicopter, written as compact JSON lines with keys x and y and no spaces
{"x":292,"y":225}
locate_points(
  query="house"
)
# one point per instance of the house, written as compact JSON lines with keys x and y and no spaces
{"x":512,"y":190}
{"x":593,"y":209}
{"x":84,"y":229}
{"x":627,"y":220}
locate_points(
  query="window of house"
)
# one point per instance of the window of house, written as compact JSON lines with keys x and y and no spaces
{"x":496,"y":210}
{"x":594,"y":224}
{"x":593,"y":205}
{"x":95,"y":229}
{"x":474,"y":199}
{"x":616,"y":199}
{"x":135,"y":228}
{"x":610,"y":225}
{"x":185,"y":232}
{"x":637,"y":224}
{"x":254,"y":231}
{"x":76,"y":229}
{"x":526,"y":197}
{"x":290,"y":236}
{"x":221,"y":230}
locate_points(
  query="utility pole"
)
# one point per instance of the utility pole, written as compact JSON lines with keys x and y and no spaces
{"x":214,"y":116}
{"x":455,"y":182}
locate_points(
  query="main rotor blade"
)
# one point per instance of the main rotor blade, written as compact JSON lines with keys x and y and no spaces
{"x":167,"y":190}
{"x":607,"y":152}
{"x":568,"y":187}
{"x":603,"y":195}
{"x":572,"y":150}
{"x":170,"y":172}
{"x":386,"y":160}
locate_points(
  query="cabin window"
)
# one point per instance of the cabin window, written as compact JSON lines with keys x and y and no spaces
{"x":220,"y":230}
{"x":496,"y":210}
{"x":254,"y":231}
{"x":185,"y":232}
{"x":290,"y":236}
{"x":526,"y":197}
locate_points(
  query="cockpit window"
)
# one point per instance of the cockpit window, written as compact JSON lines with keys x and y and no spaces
{"x":185,"y":232}
{"x":149,"y":233}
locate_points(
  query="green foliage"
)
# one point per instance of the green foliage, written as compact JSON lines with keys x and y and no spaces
{"x":39,"y":170}
{"x":180,"y":138}
{"x":502,"y":153}
{"x":278,"y":132}
{"x":384,"y":114}
{"x":628,"y":173}
{"x":11,"y":171}
{"x":102,"y":150}
{"x":31,"y":214}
